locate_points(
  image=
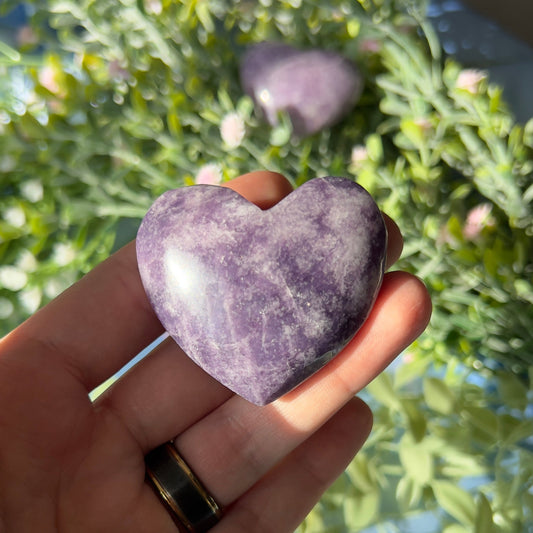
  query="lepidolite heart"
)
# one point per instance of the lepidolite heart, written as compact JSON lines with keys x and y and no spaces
{"x":262,"y":299}
{"x":316,"y":88}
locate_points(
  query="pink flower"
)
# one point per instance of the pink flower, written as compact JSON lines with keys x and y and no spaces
{"x":478,"y":218}
{"x":49,"y":79}
{"x":117,"y":71}
{"x":470,"y":79}
{"x":371,"y":46}
{"x":26,"y":36}
{"x":210,"y":174}
{"x":232,"y":129}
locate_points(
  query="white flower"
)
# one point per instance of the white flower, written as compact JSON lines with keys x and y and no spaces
{"x":232,"y":129}
{"x":7,"y":163}
{"x":210,"y":174}
{"x":359,"y":155}
{"x":12,"y":278}
{"x":478,"y":218}
{"x":6,"y":308}
{"x":57,"y":285}
{"x":30,"y":299}
{"x":32,"y":190}
{"x":469,"y":80}
{"x":27,"y":261}
{"x":15,"y":216}
{"x":153,"y":6}
{"x":63,"y":254}
{"x":54,"y":287}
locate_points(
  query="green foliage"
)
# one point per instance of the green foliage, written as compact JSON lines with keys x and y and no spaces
{"x":441,"y":446}
{"x":126,"y":101}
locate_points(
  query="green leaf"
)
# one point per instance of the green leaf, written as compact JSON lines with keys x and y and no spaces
{"x":374,"y":147}
{"x":416,"y":418}
{"x":456,"y":528}
{"x":204,"y":16}
{"x":455,"y":501}
{"x":360,"y":511}
{"x":413,"y":131}
{"x":528,"y":133}
{"x":482,"y":419}
{"x":10,"y":53}
{"x":518,"y":433}
{"x":382,"y":390}
{"x":361,"y":473}
{"x":484,"y":522}
{"x":408,"y":493}
{"x":353,"y":26}
{"x":417,"y":461}
{"x":392,"y":105}
{"x":281,"y":133}
{"x":512,"y":391}
{"x":438,"y":396}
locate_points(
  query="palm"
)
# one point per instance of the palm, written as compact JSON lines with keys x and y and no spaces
{"x":70,"y":465}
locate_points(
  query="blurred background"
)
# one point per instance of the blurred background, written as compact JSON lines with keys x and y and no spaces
{"x":105,"y":104}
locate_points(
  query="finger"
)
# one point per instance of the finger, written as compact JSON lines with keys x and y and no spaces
{"x":95,"y":326}
{"x":275,"y":187}
{"x":394,"y":241}
{"x":105,"y":319}
{"x":162,"y":395}
{"x":307,"y":472}
{"x":250,"y":440}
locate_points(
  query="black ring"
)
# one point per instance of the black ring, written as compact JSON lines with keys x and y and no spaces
{"x":184,"y":496}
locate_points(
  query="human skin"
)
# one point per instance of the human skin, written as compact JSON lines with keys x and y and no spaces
{"x":68,"y":464}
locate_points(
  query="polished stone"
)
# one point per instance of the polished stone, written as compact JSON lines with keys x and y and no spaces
{"x":262,"y":299}
{"x":316,"y":88}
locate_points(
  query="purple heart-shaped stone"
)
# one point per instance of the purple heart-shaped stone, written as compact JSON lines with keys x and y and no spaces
{"x":316,"y":88}
{"x":262,"y":299}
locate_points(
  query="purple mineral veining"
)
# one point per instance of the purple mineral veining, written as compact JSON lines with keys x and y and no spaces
{"x":263,"y":299}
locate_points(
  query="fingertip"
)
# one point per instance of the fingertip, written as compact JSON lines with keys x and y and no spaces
{"x":262,"y":187}
{"x":364,"y":416}
{"x":394,"y":240}
{"x":415,"y":298}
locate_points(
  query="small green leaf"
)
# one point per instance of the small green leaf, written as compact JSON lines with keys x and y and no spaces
{"x":482,"y":419}
{"x":360,"y":511}
{"x":353,"y":26}
{"x":455,"y":501}
{"x":204,"y":16}
{"x":518,"y":433}
{"x":528,"y":133}
{"x":408,"y":493}
{"x":361,"y":473}
{"x":417,"y":461}
{"x":281,"y":133}
{"x":512,"y":391}
{"x":382,"y":390}
{"x":484,"y":522}
{"x":374,"y":147}
{"x":456,"y":528}
{"x":438,"y":396}
{"x":416,"y":418}
{"x":413,"y":131}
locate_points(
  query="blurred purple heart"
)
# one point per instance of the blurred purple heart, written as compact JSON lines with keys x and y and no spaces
{"x":263,"y":299}
{"x":316,"y":88}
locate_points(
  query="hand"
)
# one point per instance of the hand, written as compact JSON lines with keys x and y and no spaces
{"x":71,"y":465}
